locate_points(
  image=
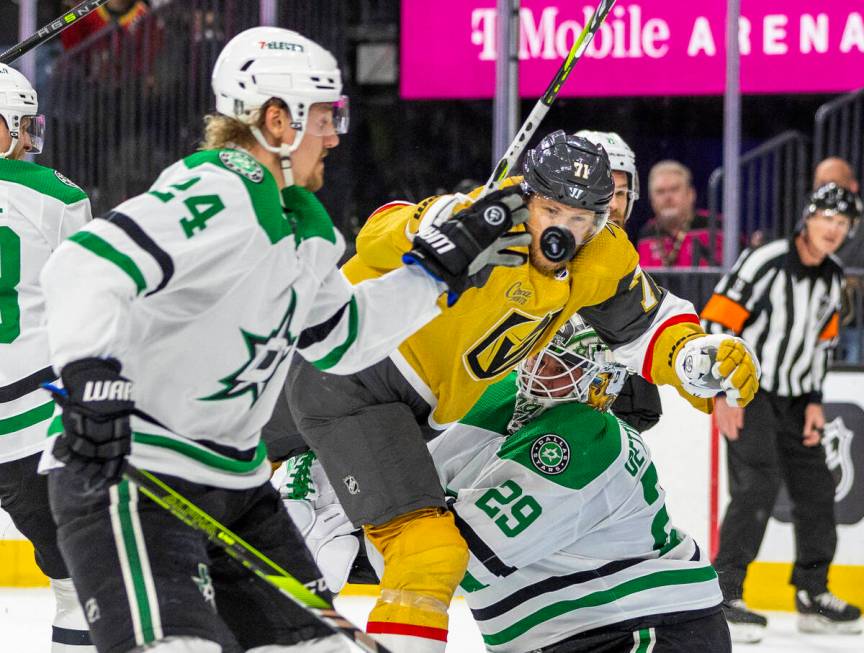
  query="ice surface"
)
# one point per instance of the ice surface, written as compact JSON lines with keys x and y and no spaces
{"x":25,"y":627}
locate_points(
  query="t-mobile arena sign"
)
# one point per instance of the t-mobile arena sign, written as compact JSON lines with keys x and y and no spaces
{"x":645,"y":47}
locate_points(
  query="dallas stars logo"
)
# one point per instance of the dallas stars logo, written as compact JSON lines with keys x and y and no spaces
{"x":550,"y":454}
{"x":266,"y":353}
{"x":205,"y":585}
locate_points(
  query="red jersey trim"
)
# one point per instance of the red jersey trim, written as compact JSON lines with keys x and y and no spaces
{"x":649,"y":356}
{"x":387,"y":207}
{"x":393,"y":628}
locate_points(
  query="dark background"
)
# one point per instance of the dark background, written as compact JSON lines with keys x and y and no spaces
{"x":398,"y":149}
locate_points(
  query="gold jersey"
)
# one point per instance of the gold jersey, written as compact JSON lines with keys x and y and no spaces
{"x":483,"y":336}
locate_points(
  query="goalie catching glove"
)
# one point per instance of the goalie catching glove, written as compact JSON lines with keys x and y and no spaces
{"x":718,"y":363}
{"x":458,"y":250}
{"x":97,"y":437}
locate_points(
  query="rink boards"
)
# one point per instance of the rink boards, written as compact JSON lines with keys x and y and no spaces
{"x":691,"y":465}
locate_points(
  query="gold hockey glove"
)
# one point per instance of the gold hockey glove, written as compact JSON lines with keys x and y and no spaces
{"x":718,"y":363}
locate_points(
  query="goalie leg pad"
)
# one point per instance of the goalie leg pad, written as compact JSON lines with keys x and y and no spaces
{"x":425,"y":558}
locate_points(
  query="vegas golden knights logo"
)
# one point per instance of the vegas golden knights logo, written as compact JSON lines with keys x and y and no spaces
{"x":506,"y":343}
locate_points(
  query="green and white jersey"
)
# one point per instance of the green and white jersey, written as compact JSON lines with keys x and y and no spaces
{"x":202,"y":288}
{"x":38,"y":208}
{"x":566,"y":523}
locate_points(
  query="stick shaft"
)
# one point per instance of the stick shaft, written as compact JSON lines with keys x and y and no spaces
{"x":529,"y":127}
{"x":51,"y":30}
{"x":247,"y":555}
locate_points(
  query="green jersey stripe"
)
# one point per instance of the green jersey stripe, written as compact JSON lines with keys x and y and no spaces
{"x":602,"y":597}
{"x":104,"y":249}
{"x":205,"y":456}
{"x":259,"y":184}
{"x":28,"y":418}
{"x":133,"y":557}
{"x":336,"y":354}
{"x":311,"y":218}
{"x":642,"y":640}
{"x":56,"y":426}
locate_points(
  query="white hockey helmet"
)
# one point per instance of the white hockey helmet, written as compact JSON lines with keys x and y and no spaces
{"x":270,"y":62}
{"x":575,"y":366}
{"x":622,"y":159}
{"x":19,"y":107}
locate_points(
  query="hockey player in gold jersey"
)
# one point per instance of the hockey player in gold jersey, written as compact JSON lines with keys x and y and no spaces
{"x":369,"y":429}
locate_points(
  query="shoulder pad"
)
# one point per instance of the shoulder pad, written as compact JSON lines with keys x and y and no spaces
{"x":40,"y":179}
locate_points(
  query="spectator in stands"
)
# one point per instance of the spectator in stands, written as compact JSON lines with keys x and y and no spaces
{"x":851,"y":254}
{"x":123,"y":12}
{"x":678,"y":235}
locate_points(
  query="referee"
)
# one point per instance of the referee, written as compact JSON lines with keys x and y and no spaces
{"x":784,"y":300}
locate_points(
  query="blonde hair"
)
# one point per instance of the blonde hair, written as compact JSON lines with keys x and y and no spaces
{"x":669,"y":165}
{"x":222,"y":131}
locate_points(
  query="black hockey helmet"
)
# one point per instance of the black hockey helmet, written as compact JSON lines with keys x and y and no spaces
{"x":833,"y":200}
{"x":572,"y":170}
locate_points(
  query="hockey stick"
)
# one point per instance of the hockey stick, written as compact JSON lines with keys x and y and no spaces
{"x":248,"y":556}
{"x":526,"y":131}
{"x":51,"y":30}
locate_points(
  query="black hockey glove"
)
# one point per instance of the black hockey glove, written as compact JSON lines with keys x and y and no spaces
{"x":96,"y":436}
{"x":458,"y":251}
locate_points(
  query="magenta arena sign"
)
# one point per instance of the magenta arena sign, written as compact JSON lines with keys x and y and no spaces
{"x":646,"y":47}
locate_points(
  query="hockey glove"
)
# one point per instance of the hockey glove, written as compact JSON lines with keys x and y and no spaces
{"x":457,"y":251}
{"x":718,"y":363}
{"x":96,"y":435}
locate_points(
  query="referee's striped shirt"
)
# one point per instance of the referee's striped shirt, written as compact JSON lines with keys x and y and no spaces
{"x":788,"y":312}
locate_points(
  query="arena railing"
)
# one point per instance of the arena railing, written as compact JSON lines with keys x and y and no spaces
{"x":774,"y":183}
{"x":126,"y":103}
{"x":839,"y":130}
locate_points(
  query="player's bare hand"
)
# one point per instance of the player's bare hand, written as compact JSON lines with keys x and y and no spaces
{"x":814,"y":423}
{"x":730,"y":419}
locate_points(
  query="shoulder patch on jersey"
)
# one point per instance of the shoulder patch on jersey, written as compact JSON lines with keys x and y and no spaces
{"x":243,"y":164}
{"x":550,"y":454}
{"x":569,"y":444}
{"x":63,"y":178}
{"x":41,"y":180}
{"x":263,"y":194}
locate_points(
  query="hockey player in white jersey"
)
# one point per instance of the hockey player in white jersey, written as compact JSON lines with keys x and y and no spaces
{"x":572,"y":548}
{"x":172,"y":322}
{"x":38,"y":208}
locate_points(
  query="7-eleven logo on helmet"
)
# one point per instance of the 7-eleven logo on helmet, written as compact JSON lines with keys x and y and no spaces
{"x":280,"y":45}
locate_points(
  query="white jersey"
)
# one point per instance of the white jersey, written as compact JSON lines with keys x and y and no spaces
{"x":202,"y":288}
{"x":38,"y":208}
{"x":566,"y":523}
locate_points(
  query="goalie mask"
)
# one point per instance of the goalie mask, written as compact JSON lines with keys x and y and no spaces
{"x":575,"y":366}
{"x":19,"y":108}
{"x":621,"y":158}
{"x":264,"y":63}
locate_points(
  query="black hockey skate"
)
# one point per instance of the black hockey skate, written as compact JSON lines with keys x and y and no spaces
{"x":825,"y":613}
{"x":745,"y":627}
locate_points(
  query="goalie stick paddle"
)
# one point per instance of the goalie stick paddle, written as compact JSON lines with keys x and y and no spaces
{"x":51,"y":30}
{"x":526,"y":131}
{"x":248,"y":556}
